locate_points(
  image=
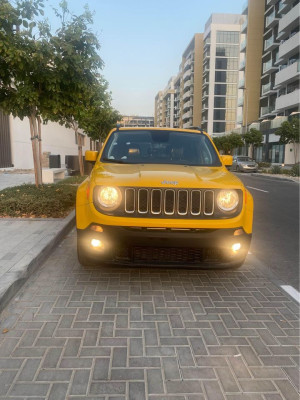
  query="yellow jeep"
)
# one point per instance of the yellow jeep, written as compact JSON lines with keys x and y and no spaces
{"x":162,"y":196}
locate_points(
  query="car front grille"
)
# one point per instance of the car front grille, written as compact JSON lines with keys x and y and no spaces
{"x":169,"y":202}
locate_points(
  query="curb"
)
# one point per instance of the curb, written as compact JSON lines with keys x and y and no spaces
{"x":278,"y":178}
{"x":15,"y":278}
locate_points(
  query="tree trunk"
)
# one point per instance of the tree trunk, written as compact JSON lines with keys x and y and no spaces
{"x":79,"y":141}
{"x":33,"y":144}
{"x":35,"y":149}
{"x":40,"y":144}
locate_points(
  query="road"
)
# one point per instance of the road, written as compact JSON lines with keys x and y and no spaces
{"x":276,"y":225}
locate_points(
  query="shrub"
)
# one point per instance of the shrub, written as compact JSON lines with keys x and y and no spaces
{"x":263,"y":164}
{"x":276,"y":169}
{"x":45,"y":201}
{"x":295,"y":170}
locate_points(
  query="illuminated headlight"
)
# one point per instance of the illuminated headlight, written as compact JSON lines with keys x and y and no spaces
{"x":227,"y":200}
{"x":109,"y":197}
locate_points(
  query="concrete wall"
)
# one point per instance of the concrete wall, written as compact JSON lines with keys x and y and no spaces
{"x":56,"y":139}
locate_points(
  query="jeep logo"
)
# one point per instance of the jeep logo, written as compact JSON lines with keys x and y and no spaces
{"x":169,"y":183}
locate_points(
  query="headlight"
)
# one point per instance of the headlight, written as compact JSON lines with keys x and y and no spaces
{"x":109,"y":198}
{"x":227,"y":200}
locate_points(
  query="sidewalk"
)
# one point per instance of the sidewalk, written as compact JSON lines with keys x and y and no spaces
{"x":24,"y":245}
{"x":15,"y":178}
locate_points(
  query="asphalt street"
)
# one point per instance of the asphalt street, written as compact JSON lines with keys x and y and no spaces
{"x":275,"y":239}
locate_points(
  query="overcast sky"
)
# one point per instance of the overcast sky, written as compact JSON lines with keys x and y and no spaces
{"x":142,"y":42}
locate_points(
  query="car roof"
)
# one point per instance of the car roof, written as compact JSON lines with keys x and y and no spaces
{"x":152,"y":128}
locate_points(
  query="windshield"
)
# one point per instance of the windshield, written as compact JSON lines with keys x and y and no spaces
{"x":160,"y":147}
{"x":244,"y":159}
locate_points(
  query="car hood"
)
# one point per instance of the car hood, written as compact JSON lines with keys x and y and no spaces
{"x":162,"y":175}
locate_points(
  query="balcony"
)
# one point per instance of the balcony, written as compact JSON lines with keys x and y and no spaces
{"x":187,"y":115}
{"x":186,"y":95}
{"x":242,"y":65}
{"x":187,"y":105}
{"x":271,"y":20}
{"x":187,"y":74}
{"x":244,"y":26}
{"x":288,"y":74}
{"x":239,"y":119}
{"x":288,"y":21}
{"x":187,"y":83}
{"x":243,"y":46}
{"x":269,"y":110}
{"x":187,"y":125}
{"x":289,"y":47}
{"x":241,"y":84}
{"x":267,"y":89}
{"x":271,"y":2}
{"x":240,"y":102}
{"x":288,"y":100}
{"x":271,"y":44}
{"x":269,"y":67}
{"x":187,"y":64}
{"x":245,"y":7}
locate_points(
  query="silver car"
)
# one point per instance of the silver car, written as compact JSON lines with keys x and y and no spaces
{"x":244,"y":164}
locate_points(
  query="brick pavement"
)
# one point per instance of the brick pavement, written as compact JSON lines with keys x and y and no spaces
{"x":131,"y":333}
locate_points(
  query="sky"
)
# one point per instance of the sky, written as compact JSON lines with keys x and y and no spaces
{"x":142,"y":42}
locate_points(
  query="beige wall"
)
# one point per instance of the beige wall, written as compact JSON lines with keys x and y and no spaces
{"x":198,"y":73}
{"x":255,"y":31}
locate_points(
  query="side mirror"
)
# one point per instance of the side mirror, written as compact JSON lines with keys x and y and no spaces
{"x":91,"y":155}
{"x":226,"y":160}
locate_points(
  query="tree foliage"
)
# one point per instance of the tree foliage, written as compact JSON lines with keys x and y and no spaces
{"x":53,"y":77}
{"x":253,"y":138}
{"x":227,"y":143}
{"x":289,"y":133}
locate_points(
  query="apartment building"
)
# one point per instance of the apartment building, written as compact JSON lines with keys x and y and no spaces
{"x":221,"y":72}
{"x":135,"y":121}
{"x":251,"y":49}
{"x":276,"y":74}
{"x":164,"y":106}
{"x":179,"y":104}
{"x":191,"y":85}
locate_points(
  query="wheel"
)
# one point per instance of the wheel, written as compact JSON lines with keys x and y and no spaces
{"x":84,"y":259}
{"x":238,"y":169}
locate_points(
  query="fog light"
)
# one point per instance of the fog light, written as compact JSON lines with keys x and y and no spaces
{"x":236,"y":247}
{"x":97,"y":244}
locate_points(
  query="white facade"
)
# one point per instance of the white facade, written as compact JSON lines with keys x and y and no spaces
{"x":56,"y":139}
{"x":220,"y":108}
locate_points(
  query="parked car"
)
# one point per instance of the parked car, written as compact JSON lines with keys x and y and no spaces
{"x":162,"y":196}
{"x":244,"y":164}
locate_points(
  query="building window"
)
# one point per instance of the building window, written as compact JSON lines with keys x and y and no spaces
{"x":227,"y":63}
{"x":220,"y":102}
{"x":228,"y":37}
{"x":228,"y":90}
{"x":225,"y":50}
{"x":219,"y":127}
{"x":224,"y":76}
{"x":219,"y":114}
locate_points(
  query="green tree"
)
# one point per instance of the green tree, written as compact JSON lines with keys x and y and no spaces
{"x":228,"y":143}
{"x":24,"y":64}
{"x":289,"y":133}
{"x":77,"y":64}
{"x":254,"y":139}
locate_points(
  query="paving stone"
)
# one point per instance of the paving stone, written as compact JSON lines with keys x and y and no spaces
{"x":113,"y":333}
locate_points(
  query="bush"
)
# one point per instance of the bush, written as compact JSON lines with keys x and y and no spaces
{"x":72,"y":180}
{"x":276,"y":169}
{"x":45,"y":201}
{"x":295,"y":170}
{"x":263,"y":164}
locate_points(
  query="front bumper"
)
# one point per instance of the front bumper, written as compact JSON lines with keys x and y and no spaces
{"x":165,"y":246}
{"x":245,"y":168}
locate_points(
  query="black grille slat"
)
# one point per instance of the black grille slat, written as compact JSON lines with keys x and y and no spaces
{"x":156,"y":200}
{"x":183,"y":202}
{"x":208,"y":202}
{"x":169,"y":202}
{"x":195,"y":202}
{"x":130,"y":200}
{"x":143,"y":201}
